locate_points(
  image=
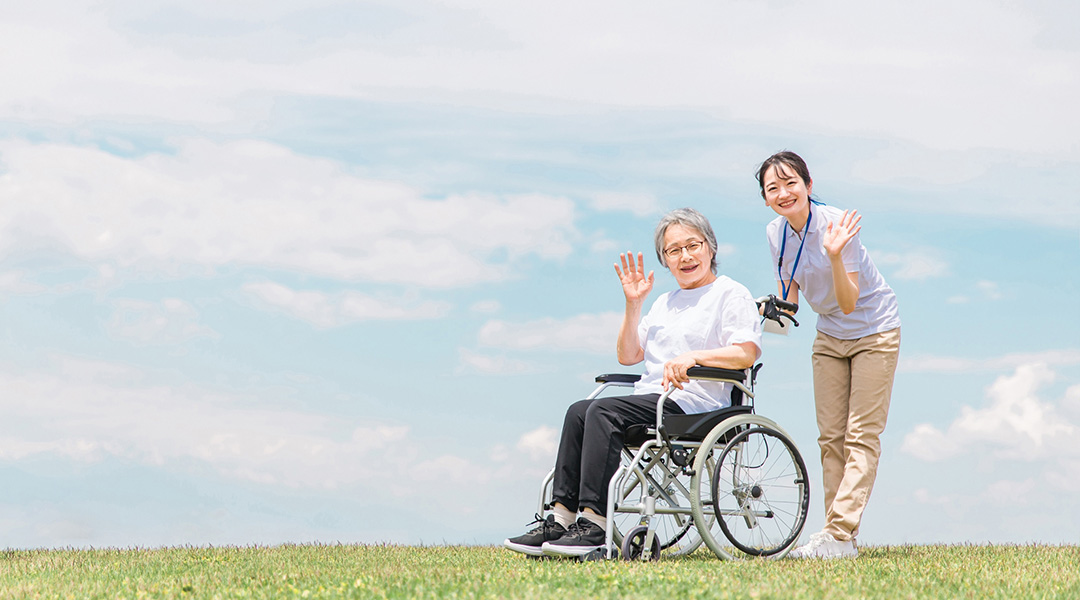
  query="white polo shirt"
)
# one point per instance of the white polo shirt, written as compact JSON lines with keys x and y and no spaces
{"x":719,"y":314}
{"x":876,"y":309}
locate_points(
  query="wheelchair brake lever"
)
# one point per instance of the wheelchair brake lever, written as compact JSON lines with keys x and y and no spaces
{"x":679,"y":455}
{"x":771,"y":311}
{"x":663,"y":434}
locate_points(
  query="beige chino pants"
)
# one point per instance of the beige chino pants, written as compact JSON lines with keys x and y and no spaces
{"x":852,"y":388}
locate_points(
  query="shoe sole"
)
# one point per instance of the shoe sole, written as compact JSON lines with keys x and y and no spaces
{"x":838,"y":556}
{"x":550,"y":549}
{"x":530,"y":550}
{"x":829,"y":556}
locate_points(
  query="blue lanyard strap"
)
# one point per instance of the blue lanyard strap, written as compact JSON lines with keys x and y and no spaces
{"x":780,"y":263}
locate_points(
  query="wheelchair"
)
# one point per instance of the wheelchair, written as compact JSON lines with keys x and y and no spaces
{"x":730,"y":478}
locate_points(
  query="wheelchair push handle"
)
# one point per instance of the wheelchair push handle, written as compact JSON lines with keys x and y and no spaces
{"x":790,"y":307}
{"x":776,"y":309}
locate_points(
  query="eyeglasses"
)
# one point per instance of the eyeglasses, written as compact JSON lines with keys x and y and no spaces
{"x":676,"y":252}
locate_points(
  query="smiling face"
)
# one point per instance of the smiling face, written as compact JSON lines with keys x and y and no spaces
{"x":787,"y":193}
{"x":691,"y":269}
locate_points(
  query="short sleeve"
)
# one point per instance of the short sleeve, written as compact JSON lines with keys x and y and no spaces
{"x":772,"y":234}
{"x":740,"y":321}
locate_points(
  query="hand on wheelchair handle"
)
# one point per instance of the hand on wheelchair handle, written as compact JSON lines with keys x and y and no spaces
{"x":671,"y":381}
{"x":675,"y":371}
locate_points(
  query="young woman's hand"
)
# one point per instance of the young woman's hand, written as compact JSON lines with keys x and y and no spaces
{"x":839,"y":234}
{"x":635,"y":284}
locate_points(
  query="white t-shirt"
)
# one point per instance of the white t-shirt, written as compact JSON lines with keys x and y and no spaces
{"x":876,"y":310}
{"x":719,"y":314}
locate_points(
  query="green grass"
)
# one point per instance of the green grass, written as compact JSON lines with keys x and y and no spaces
{"x":486,"y":572}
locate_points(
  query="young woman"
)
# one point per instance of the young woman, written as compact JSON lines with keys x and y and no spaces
{"x":817,"y":251}
{"x":709,"y":320}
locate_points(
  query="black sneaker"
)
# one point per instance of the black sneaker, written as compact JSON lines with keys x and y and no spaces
{"x":581,"y":538}
{"x":531,"y":542}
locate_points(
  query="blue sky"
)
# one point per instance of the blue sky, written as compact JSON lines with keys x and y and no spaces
{"x":323,"y":271}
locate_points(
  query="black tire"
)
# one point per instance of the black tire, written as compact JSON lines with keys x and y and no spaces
{"x":760,"y":491}
{"x":633,"y":546}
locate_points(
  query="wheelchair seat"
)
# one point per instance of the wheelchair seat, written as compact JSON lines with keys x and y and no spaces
{"x":687,"y":428}
{"x":693,"y":427}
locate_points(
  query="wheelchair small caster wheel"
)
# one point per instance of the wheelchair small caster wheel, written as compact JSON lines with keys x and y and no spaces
{"x":633,"y":546}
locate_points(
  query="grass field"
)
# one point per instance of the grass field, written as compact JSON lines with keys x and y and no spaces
{"x":313,"y":571}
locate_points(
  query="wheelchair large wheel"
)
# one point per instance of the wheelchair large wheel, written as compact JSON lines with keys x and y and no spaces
{"x":749,"y":492}
{"x":760,"y":492}
{"x":670,"y":489}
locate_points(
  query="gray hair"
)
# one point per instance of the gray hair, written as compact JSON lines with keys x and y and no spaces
{"x":687,"y":217}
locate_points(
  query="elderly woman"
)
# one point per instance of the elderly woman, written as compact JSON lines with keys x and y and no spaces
{"x":709,"y":320}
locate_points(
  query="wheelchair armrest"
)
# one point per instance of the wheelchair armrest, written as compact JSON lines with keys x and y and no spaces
{"x":617,"y":378}
{"x":715,"y":374}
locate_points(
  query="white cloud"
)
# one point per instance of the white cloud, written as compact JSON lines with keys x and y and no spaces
{"x":939,"y":79}
{"x":999,"y":494}
{"x":589,"y":332}
{"x":332,"y":310}
{"x":1071,"y":404}
{"x":640,"y":204}
{"x":486,"y":306}
{"x":1014,"y":424}
{"x":1011,"y":493}
{"x":990,"y":290}
{"x":450,"y":469}
{"x":540,"y":444}
{"x":255,"y":203}
{"x":897,"y":163}
{"x":487,"y":364}
{"x":89,"y":411}
{"x":169,"y":321}
{"x":918,"y":264}
{"x":1007,"y":184}
{"x":952,"y":364}
{"x":14,"y":282}
{"x":79,"y":411}
{"x":604,"y":246}
{"x":1004,"y":471}
{"x":723,"y":250}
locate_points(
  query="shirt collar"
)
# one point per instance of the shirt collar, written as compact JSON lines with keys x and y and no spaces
{"x":813,"y":224}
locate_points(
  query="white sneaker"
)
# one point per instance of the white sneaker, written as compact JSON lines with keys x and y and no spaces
{"x":824,"y":545}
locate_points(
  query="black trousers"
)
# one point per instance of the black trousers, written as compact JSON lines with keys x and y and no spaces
{"x":592,"y":440}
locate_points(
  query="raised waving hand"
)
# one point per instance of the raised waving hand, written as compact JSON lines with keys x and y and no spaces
{"x":635,"y":284}
{"x":837,"y":235}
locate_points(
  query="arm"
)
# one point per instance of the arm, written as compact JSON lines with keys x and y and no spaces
{"x":845,"y":284}
{"x":636,"y":287}
{"x":736,"y":356}
{"x":629,"y":350}
{"x":792,"y":292}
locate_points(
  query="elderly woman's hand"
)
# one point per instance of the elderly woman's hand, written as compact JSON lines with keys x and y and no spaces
{"x":636,"y":286}
{"x":675,"y":370}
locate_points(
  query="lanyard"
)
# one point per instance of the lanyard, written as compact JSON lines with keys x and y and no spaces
{"x":780,"y":263}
